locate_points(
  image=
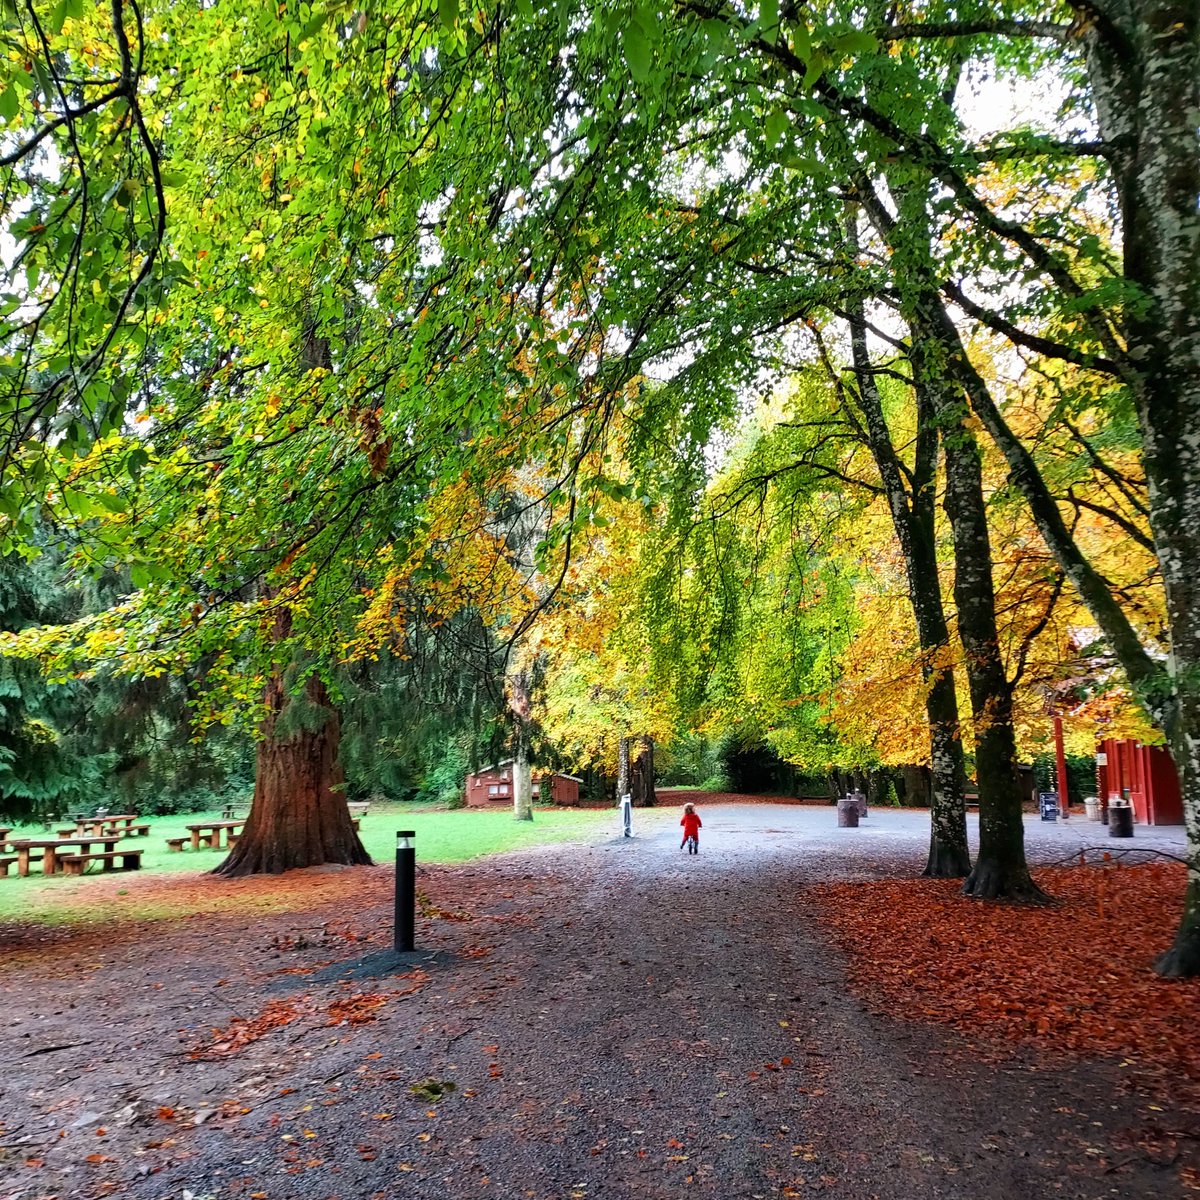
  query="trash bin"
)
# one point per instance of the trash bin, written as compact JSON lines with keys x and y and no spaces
{"x":861,"y":800}
{"x":1091,"y":807}
{"x":1120,"y":819}
{"x":848,"y":813}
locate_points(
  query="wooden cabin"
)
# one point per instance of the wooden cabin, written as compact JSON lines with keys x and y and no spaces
{"x":493,"y":785}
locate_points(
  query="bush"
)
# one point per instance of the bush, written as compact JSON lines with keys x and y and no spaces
{"x":1081,"y":775}
{"x":690,"y":761}
{"x":453,"y":798}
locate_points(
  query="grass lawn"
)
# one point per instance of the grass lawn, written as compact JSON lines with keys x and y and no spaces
{"x":442,"y":837}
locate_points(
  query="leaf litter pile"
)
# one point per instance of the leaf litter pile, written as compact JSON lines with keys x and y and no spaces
{"x":1073,"y":977}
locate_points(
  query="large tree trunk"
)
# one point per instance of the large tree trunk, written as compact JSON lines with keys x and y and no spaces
{"x":298,"y":817}
{"x":1147,"y":84}
{"x":1144,"y":71}
{"x":1183,"y":958}
{"x":913,"y":521}
{"x":641,"y":783}
{"x":939,"y":363}
{"x":522,"y":782}
{"x":1000,"y":868}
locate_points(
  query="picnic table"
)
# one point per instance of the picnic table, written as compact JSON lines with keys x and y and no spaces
{"x":106,"y":824}
{"x":52,"y":847}
{"x":122,"y":825}
{"x":210,"y":832}
{"x":5,"y":830}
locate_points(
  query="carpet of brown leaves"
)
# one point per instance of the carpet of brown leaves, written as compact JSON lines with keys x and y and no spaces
{"x":1075,"y":977}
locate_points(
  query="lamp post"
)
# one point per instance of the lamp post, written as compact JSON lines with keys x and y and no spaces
{"x":406,"y":891}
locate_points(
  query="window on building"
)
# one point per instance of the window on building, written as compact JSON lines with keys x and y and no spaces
{"x":493,"y":790}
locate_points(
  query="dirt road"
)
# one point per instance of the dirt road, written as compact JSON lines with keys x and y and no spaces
{"x":608,"y":1021}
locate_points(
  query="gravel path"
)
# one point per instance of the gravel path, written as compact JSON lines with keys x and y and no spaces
{"x":619,"y":1020}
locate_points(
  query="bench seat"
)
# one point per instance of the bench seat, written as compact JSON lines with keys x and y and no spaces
{"x":75,"y":864}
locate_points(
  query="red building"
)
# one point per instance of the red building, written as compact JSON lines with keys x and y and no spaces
{"x":493,"y":785}
{"x":1149,"y":775}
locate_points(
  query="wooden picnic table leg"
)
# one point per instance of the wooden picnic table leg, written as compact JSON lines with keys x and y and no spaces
{"x":195,"y":839}
{"x":50,"y":860}
{"x":22,"y":860}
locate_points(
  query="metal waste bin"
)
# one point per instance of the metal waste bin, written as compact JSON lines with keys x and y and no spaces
{"x":1091,"y":806}
{"x":848,"y":813}
{"x":1120,"y":819}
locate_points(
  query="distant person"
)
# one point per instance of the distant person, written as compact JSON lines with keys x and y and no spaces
{"x":691,"y":829}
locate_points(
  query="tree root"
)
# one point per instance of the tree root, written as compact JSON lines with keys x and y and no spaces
{"x":1182,"y":961}
{"x":993,"y":881}
{"x":947,"y":861}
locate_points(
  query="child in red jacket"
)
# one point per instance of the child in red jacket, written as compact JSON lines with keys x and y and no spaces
{"x":691,"y":829}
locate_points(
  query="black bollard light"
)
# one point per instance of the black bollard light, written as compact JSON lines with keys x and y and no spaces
{"x":406,"y":891}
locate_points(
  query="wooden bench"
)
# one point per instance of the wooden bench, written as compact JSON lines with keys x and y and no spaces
{"x":136,"y":831}
{"x":358,"y":808}
{"x":175,"y":845}
{"x":234,"y":812}
{"x":65,"y":832}
{"x":76,"y":864}
{"x":8,"y":860}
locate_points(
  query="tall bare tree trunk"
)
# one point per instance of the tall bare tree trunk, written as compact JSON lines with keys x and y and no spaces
{"x":519,"y":706}
{"x":622,"y":767}
{"x":913,"y":519}
{"x":1000,"y":867}
{"x":939,"y":366}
